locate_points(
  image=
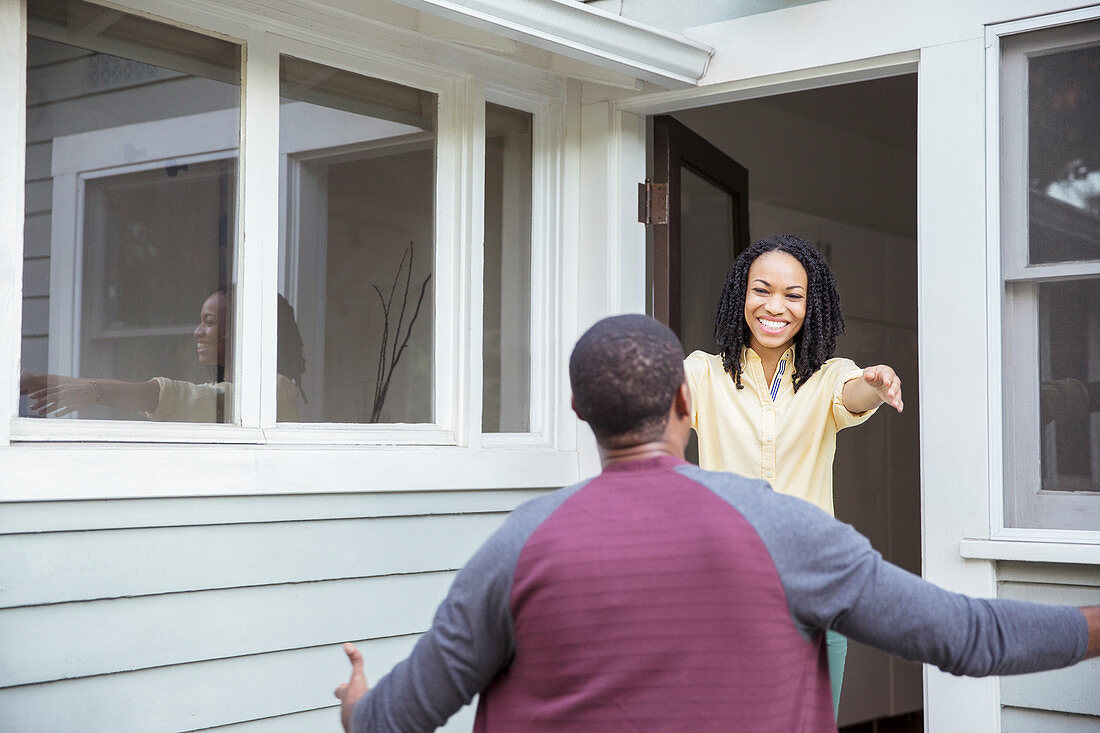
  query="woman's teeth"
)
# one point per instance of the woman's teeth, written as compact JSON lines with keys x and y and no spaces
{"x":772,"y":325}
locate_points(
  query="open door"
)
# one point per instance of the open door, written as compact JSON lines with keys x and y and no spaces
{"x":695,"y":239}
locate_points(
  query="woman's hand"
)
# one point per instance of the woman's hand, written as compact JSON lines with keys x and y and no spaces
{"x":31,"y":382}
{"x":65,"y":397}
{"x":878,"y":384}
{"x":886,"y":384}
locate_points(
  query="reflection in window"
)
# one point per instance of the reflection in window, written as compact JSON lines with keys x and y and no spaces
{"x":506,"y":390}
{"x":1050,"y":237}
{"x":1069,"y":367}
{"x":357,"y":250}
{"x":132,"y":130}
{"x":1064,"y":155}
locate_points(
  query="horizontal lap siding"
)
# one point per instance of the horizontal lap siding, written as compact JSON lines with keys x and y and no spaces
{"x":267,"y":691}
{"x":185,"y":614}
{"x":1022,"y":720}
{"x":1067,"y":696}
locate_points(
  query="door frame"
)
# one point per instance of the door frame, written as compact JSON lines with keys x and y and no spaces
{"x":975,"y":705}
{"x":675,"y":146}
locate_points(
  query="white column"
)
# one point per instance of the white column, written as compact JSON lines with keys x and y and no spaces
{"x":953,"y":323}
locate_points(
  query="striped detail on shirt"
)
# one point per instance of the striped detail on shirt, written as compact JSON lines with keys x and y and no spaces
{"x":778,"y":378}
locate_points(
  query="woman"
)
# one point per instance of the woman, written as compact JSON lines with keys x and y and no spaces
{"x":174,"y":400}
{"x":770,"y":403}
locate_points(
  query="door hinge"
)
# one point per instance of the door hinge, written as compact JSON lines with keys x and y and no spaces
{"x":653,"y":202}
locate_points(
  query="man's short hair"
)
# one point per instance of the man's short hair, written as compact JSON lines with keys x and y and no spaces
{"x":624,"y":372}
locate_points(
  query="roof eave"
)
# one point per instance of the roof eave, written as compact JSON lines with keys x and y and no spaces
{"x":587,"y":34}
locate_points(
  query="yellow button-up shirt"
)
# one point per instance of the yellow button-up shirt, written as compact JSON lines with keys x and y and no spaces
{"x":789,"y":442}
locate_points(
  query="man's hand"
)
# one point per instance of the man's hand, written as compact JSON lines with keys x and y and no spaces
{"x":886,"y":383}
{"x":350,"y":691}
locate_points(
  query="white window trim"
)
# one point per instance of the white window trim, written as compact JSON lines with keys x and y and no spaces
{"x":546,"y":456}
{"x":1013,"y":268}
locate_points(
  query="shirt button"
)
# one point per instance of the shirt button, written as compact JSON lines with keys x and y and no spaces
{"x":767,"y":407}
{"x":769,"y":473}
{"x":767,"y":438}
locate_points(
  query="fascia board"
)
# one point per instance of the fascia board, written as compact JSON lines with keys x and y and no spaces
{"x":575,"y":30}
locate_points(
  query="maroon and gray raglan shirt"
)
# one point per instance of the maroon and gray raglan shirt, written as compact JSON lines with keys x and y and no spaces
{"x":658,"y":596}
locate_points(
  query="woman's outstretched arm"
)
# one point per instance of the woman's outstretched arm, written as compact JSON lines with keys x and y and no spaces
{"x":58,"y":395}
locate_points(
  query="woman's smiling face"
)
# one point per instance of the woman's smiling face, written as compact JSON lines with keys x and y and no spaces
{"x":210,"y":333}
{"x":775,"y":301}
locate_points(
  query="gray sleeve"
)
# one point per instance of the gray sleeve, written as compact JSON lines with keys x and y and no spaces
{"x":471,"y":638}
{"x":834,"y":579}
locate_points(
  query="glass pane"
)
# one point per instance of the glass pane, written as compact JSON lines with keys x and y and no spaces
{"x":706,"y":252}
{"x":357,"y":251}
{"x":1064,"y":155}
{"x":1069,"y":370}
{"x":506,"y":389}
{"x":131,"y":190}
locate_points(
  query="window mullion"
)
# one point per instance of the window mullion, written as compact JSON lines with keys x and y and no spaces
{"x":459,"y":194}
{"x":256,"y":267}
{"x":473,"y":119}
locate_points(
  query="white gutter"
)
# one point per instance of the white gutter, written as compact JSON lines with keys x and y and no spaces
{"x":575,"y":30}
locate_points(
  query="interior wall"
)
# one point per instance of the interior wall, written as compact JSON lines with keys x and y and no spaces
{"x":837,"y":167}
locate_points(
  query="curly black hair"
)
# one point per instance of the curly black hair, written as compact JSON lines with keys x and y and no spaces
{"x":815,"y":342}
{"x":291,"y":354}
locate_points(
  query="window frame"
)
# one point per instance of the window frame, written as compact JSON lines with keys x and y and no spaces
{"x":1014,"y":342}
{"x":545,"y":263}
{"x":462,"y":89}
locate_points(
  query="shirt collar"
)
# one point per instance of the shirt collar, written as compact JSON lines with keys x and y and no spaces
{"x":748,"y":355}
{"x":657,"y":463}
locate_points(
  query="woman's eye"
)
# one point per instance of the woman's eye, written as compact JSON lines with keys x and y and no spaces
{"x":760,"y":291}
{"x":792,"y":296}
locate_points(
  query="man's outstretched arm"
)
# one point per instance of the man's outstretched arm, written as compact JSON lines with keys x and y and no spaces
{"x":839,"y":581}
{"x":471,"y":639}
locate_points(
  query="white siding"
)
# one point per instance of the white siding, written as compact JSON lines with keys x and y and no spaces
{"x":1035,"y":697}
{"x":226,"y":609}
{"x":182,"y":614}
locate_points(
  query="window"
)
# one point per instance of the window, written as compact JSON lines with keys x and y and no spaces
{"x":506,"y":307}
{"x":131,"y":187}
{"x":174,"y":294}
{"x":358,"y":249}
{"x":1050,"y":267}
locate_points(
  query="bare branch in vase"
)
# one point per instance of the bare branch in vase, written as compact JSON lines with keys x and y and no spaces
{"x":389,"y":355}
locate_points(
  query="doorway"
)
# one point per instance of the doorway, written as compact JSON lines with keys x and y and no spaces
{"x":836,"y":166}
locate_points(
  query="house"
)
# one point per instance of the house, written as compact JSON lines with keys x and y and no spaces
{"x":429,"y":201}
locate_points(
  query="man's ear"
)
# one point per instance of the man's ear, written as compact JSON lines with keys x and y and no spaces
{"x":577,"y":412}
{"x":682,"y":401}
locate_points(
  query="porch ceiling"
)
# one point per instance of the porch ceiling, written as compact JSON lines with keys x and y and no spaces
{"x":575,"y":30}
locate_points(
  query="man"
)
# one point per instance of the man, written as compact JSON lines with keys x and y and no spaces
{"x":660,"y":596}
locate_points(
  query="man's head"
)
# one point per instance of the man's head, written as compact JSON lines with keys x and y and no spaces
{"x":626,"y":372}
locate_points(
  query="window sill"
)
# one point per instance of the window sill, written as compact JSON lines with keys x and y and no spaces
{"x":50,"y":472}
{"x":1031,"y":551}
